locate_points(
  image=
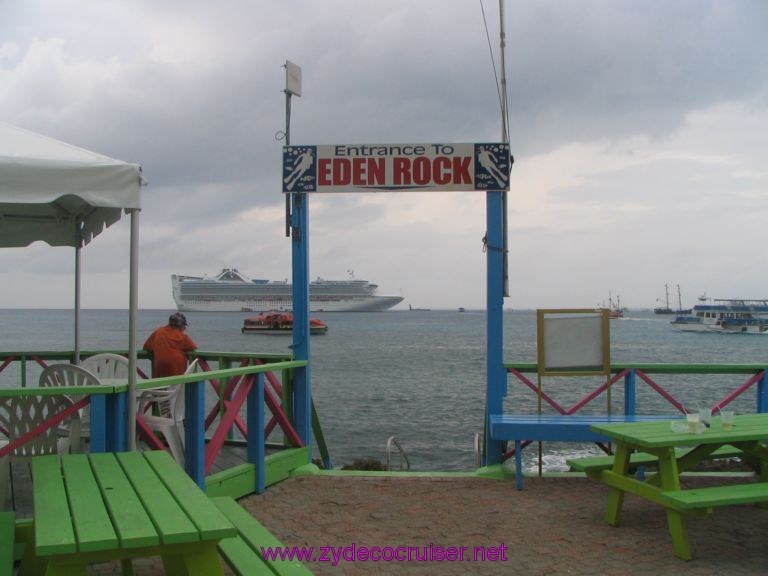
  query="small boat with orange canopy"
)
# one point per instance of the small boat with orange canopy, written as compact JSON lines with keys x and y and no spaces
{"x":279,"y":322}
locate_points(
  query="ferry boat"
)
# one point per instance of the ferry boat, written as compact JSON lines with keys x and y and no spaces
{"x":727,"y":316}
{"x":233,"y":291}
{"x":275,"y":322}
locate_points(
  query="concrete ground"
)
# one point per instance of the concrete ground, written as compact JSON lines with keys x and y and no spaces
{"x":554,"y":526}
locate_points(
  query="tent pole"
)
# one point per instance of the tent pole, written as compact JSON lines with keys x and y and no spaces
{"x":77,"y":294}
{"x":133,"y":305}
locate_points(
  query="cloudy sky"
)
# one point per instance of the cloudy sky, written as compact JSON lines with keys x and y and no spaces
{"x":639,"y":130}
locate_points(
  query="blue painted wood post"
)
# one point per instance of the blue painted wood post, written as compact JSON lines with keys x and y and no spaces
{"x":256,"y":450}
{"x":496,"y":383}
{"x":98,"y":423}
{"x":630,"y":406}
{"x":302,"y":389}
{"x":762,"y":393}
{"x":116,"y":429}
{"x":630,"y":392}
{"x":194,"y":431}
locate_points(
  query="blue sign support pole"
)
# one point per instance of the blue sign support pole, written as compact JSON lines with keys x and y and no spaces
{"x":496,"y":376}
{"x":302,"y":390}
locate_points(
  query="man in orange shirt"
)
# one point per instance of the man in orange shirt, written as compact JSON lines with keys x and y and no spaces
{"x":169,"y":346}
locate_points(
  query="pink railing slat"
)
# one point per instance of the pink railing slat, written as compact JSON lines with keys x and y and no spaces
{"x":589,"y":397}
{"x":664,"y":394}
{"x":7,"y":362}
{"x":544,"y":395}
{"x":740,"y":390}
{"x":148,"y":435}
{"x":232,"y":409}
{"x":282,"y":418}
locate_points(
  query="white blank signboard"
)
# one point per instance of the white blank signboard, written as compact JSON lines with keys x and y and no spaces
{"x":573,"y":341}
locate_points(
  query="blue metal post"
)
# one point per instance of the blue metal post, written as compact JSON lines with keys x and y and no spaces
{"x":302,"y":390}
{"x":98,"y":423}
{"x":194,"y":431}
{"x":630,"y":392}
{"x":256,"y":451}
{"x":762,"y":393}
{"x":116,"y":432}
{"x":496,"y":385}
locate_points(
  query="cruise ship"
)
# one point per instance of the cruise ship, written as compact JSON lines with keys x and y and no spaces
{"x":233,"y":291}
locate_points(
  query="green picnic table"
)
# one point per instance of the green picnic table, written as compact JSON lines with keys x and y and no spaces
{"x":101,"y":507}
{"x":674,"y":452}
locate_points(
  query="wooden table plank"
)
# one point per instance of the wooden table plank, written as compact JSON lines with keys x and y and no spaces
{"x":659,"y":434}
{"x":169,"y":518}
{"x":56,"y":535}
{"x":211,"y":523}
{"x":90,"y":517}
{"x":132,"y":524}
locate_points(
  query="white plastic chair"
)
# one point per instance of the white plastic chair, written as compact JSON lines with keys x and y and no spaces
{"x":169,"y":420}
{"x":106,"y":366}
{"x":71,"y":375}
{"x":20,"y":415}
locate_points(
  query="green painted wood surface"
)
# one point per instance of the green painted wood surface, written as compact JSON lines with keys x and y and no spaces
{"x":170,"y":521}
{"x":653,"y":368}
{"x":7,"y":537}
{"x":242,"y":559}
{"x":90,"y":517}
{"x":281,"y":464}
{"x":658,"y":434}
{"x":234,"y":482}
{"x":204,"y":515}
{"x":718,"y":495}
{"x":56,"y":535}
{"x":132,"y":524}
{"x":256,"y":536}
{"x":598,"y":463}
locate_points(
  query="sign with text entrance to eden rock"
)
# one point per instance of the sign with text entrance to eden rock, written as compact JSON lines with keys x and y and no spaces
{"x":396,"y":167}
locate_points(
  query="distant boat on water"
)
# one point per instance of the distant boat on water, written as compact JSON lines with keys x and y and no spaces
{"x":614,"y":308}
{"x":412,"y":309}
{"x":666,"y":309}
{"x":277,"y":323}
{"x":725,"y":316}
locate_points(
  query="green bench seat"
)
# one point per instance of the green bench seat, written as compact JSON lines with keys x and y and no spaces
{"x":592,"y":465}
{"x":243,"y":552}
{"x":717,"y":495}
{"x":7,"y":539}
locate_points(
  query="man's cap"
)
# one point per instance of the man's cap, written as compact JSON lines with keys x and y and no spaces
{"x":178,"y":320}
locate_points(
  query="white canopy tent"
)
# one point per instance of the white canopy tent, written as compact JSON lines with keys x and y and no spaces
{"x":65,"y":196}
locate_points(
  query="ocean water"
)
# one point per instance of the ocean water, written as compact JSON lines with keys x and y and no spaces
{"x":417,"y":376}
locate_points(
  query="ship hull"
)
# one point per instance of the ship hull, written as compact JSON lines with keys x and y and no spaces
{"x":369,"y":304}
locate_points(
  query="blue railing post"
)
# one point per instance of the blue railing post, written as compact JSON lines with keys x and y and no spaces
{"x":630,"y":392}
{"x":116,"y":440}
{"x":302,"y":389}
{"x":496,"y":374}
{"x":98,"y":419}
{"x":194,"y":431}
{"x":256,"y":449}
{"x":762,"y":393}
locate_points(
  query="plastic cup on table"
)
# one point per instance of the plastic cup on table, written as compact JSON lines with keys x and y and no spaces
{"x":693,"y":421}
{"x":726,"y":419}
{"x":705,"y":416}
